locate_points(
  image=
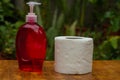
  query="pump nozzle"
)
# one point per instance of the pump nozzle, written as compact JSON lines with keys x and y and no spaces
{"x":31,"y":17}
{"x":32,"y":4}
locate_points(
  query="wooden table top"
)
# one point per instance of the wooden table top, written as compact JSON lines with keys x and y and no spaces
{"x":102,"y":70}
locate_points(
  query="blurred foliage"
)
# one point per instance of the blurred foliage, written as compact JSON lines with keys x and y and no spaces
{"x":7,"y":39}
{"x":8,"y":29}
{"x":109,"y":49}
{"x":66,"y":17}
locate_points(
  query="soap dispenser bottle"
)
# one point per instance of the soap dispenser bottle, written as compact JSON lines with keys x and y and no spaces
{"x":31,"y":43}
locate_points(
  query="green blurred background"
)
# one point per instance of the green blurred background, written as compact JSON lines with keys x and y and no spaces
{"x":99,"y":19}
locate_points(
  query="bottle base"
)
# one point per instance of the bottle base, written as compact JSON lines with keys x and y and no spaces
{"x":31,"y":66}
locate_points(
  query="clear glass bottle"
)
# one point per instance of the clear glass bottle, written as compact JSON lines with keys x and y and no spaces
{"x":31,"y":43}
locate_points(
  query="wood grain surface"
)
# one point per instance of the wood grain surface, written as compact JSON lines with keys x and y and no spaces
{"x":102,"y":70}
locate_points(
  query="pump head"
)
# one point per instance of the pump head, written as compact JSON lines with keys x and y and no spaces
{"x":32,"y":4}
{"x":31,"y":15}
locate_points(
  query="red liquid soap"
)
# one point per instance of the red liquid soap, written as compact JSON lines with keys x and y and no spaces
{"x":31,"y":45}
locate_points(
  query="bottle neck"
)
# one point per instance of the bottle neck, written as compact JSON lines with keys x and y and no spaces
{"x":31,"y":18}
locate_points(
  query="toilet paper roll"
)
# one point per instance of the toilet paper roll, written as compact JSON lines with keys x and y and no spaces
{"x":73,"y":55}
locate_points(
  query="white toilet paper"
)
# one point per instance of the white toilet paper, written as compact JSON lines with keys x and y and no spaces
{"x":73,"y":55}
